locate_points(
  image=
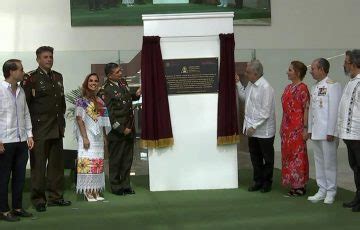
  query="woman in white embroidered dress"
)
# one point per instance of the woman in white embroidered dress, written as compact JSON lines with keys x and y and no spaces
{"x":91,"y":126}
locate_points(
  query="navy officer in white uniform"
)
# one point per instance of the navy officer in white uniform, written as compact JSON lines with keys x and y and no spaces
{"x":325,"y":97}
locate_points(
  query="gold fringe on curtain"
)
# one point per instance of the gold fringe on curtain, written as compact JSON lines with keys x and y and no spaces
{"x":227,"y":140}
{"x":161,"y":143}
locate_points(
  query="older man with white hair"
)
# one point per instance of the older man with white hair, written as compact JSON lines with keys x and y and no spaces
{"x":259,"y":124}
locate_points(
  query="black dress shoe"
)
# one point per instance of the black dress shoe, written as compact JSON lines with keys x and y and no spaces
{"x":352,"y":203}
{"x":40,"y":207}
{"x":129,"y":191}
{"x":254,"y":187}
{"x":21,"y":213}
{"x":119,"y":192}
{"x":9,"y":217}
{"x":265,"y":189}
{"x":356,"y":208}
{"x":60,"y":202}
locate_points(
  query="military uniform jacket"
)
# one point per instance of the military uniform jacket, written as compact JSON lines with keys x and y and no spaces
{"x":325,"y":98}
{"x":118,"y":100}
{"x":46,"y":101}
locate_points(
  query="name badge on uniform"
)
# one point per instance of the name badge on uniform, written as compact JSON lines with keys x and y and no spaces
{"x":322,"y":91}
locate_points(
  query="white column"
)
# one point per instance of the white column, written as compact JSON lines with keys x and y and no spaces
{"x":195,"y":161}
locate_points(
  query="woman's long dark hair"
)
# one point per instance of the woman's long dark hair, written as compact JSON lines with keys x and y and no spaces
{"x":86,"y":92}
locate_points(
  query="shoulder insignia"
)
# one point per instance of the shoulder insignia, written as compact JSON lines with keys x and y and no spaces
{"x":29,"y":77}
{"x":57,"y":73}
{"x":105,"y":85}
{"x":30,"y":72}
{"x":330,"y":81}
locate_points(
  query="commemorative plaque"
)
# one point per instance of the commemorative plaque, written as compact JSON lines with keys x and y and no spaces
{"x":185,"y":76}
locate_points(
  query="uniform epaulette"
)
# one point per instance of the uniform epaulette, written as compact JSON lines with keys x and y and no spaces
{"x":31,"y":72}
{"x":330,"y":81}
{"x":28,"y":78}
{"x":56,"y":72}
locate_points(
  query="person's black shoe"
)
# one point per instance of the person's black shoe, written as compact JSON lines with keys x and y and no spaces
{"x":21,"y":213}
{"x":9,"y":217}
{"x":352,"y":203}
{"x":129,"y":191}
{"x":60,"y":202}
{"x":40,"y":207}
{"x":265,"y":189}
{"x":254,"y":187}
{"x":119,"y":192}
{"x":356,"y":208}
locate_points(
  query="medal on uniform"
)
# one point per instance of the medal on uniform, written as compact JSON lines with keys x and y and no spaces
{"x":322,"y":91}
{"x":33,"y":92}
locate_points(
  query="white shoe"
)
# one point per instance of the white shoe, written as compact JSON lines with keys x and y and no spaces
{"x":89,"y":197}
{"x":225,"y":5}
{"x":221,"y":5}
{"x":100,"y":198}
{"x":317,"y":197}
{"x":329,"y":200}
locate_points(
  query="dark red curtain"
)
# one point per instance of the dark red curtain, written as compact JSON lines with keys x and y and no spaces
{"x":156,"y":128}
{"x":227,"y":128}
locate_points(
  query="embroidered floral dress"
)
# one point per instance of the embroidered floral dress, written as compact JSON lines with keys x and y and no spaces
{"x":90,"y":162}
{"x":295,"y":165}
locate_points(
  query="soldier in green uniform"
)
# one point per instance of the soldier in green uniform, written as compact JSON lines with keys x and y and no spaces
{"x":118,"y":99}
{"x":45,"y":98}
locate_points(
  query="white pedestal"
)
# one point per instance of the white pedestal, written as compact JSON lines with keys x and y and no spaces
{"x":195,"y":161}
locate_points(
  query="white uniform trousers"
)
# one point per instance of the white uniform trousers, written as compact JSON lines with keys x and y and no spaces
{"x":325,"y":155}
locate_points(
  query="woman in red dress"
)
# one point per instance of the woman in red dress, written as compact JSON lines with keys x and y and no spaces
{"x":293,"y":131}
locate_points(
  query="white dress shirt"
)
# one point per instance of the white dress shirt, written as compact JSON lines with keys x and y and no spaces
{"x":349,"y":111}
{"x":325,"y":98}
{"x":15,"y":122}
{"x":259,"y":107}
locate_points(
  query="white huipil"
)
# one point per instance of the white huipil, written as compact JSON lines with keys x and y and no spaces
{"x":90,"y":162}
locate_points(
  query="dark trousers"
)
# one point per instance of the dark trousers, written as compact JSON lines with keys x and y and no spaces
{"x":110,"y":3}
{"x":262,"y":158}
{"x":13,"y":161}
{"x":46,"y":159}
{"x":353,"y":147}
{"x":94,"y":4}
{"x":120,"y":161}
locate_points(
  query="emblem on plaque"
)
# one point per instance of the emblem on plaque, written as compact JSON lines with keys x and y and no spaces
{"x":184,"y":69}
